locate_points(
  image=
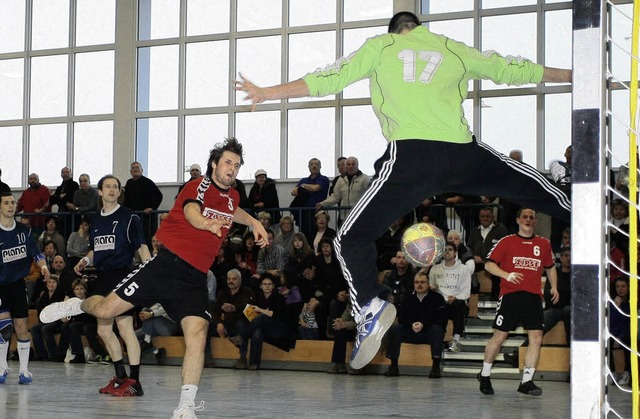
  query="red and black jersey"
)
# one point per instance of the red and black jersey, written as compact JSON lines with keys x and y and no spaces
{"x":526,"y":255}
{"x":198,"y":247}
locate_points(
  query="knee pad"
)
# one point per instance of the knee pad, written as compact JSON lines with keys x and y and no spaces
{"x":6,"y":329}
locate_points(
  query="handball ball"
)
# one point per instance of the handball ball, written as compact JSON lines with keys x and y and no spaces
{"x":422,"y":244}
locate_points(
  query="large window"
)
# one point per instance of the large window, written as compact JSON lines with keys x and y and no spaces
{"x":57,"y":84}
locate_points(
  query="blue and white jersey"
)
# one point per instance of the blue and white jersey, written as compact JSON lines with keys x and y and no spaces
{"x":115,"y":237}
{"x":18,"y":251}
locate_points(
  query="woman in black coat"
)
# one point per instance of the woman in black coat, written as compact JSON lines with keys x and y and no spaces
{"x":263,"y":194}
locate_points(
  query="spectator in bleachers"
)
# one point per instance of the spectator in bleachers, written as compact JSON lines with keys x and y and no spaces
{"x":561,"y":310}
{"x":77,"y":326}
{"x":452,"y":279}
{"x":310,"y":190}
{"x":3,"y":186}
{"x":49,"y":252}
{"x":142,"y":194}
{"x":265,"y":219}
{"x":619,"y":327}
{"x":155,"y":322}
{"x":388,"y":244}
{"x":300,"y":255}
{"x":40,"y":332}
{"x":227,"y":311}
{"x":62,"y":197}
{"x":247,"y":257}
{"x":422,"y":318}
{"x":52,"y":234}
{"x":269,"y":325}
{"x":272,"y":259}
{"x":343,"y":331}
{"x":263,"y":194}
{"x":619,"y":215}
{"x":195,"y":171}
{"x":307,"y":322}
{"x":341,"y":164}
{"x":78,"y":243}
{"x":347,"y":190}
{"x":289,"y":290}
{"x":322,"y":230}
{"x":333,"y":285}
{"x":34,"y":199}
{"x":223,"y":263}
{"x":399,"y":279}
{"x":285,"y":237}
{"x":86,"y":198}
{"x":481,"y":241}
{"x":65,"y":275}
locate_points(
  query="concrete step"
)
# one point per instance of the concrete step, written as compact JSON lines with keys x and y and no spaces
{"x":480,"y":329}
{"x":475,"y":341}
{"x":468,"y":356}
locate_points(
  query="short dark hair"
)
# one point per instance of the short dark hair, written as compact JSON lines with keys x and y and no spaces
{"x":452,"y":244}
{"x":105,"y":177}
{"x":403,"y":20}
{"x":6,"y":193}
{"x":341,"y":158}
{"x":267,"y":275}
{"x":526,"y":208}
{"x":230,"y":144}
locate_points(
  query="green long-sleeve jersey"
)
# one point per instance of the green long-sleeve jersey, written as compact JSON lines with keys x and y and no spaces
{"x":419,"y":80}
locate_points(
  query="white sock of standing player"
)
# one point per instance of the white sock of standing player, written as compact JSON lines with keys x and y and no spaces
{"x":527,"y":375}
{"x":188,"y":395}
{"x":4,"y":348}
{"x":23,"y":354}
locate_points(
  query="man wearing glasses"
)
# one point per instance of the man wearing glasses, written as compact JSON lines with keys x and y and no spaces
{"x":422,"y":318}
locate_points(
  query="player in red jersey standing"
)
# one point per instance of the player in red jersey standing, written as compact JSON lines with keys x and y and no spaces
{"x":177,"y":276}
{"x":519,"y":260}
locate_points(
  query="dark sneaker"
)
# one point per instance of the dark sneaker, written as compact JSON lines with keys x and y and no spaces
{"x":241,"y":364}
{"x":161,"y":356}
{"x":529,"y":388}
{"x":253,"y":368}
{"x":485,"y":385}
{"x":373,"y":321}
{"x":435,"y":372}
{"x":392,"y":372}
{"x":129,"y":388}
{"x":337,"y":369}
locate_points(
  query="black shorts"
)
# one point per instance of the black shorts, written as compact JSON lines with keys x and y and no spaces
{"x":170,"y":281}
{"x":13,"y":298}
{"x":519,"y":306}
{"x":107,"y":281}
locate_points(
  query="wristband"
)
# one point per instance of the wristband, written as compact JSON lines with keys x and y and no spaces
{"x":86,"y":260}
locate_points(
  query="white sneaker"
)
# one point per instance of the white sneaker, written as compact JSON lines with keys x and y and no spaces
{"x":374,"y":320}
{"x":187,"y":412}
{"x":57,"y":311}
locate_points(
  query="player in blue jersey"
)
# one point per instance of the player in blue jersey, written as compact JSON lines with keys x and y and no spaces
{"x":116,"y":234}
{"x":18,"y":248}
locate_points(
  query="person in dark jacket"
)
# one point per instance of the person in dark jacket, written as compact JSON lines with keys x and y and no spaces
{"x":269,"y":325}
{"x":263,"y":194}
{"x":422,"y":318}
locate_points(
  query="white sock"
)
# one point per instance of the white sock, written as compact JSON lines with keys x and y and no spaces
{"x":147,"y":338}
{"x":23,"y":354}
{"x":527,"y":375}
{"x":188,"y":395}
{"x":486,"y":369}
{"x":456,"y":337}
{"x":4,"y":348}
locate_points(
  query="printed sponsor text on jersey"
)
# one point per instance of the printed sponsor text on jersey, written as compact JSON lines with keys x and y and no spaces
{"x":14,"y":253}
{"x":526,"y":263}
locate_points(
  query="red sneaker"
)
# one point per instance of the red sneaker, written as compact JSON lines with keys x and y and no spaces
{"x":114,"y":383}
{"x":128,"y":388}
